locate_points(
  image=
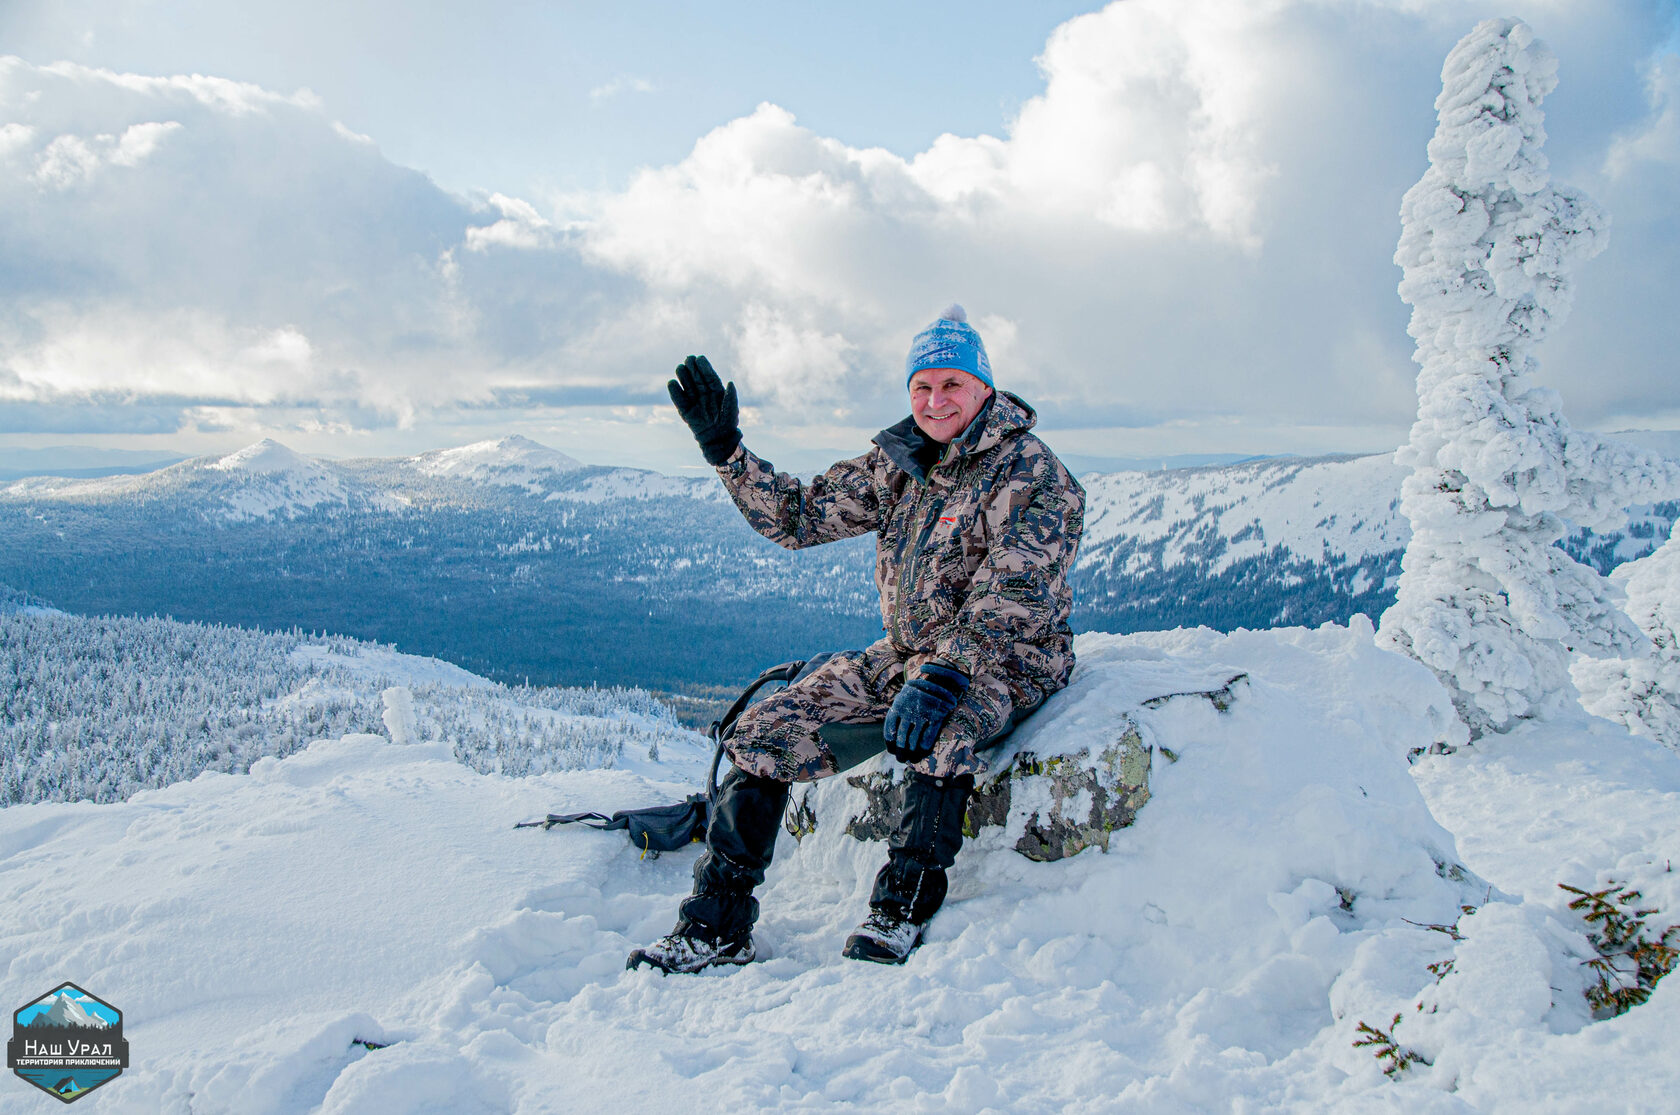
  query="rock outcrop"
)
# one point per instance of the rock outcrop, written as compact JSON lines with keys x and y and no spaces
{"x":1048,"y":805}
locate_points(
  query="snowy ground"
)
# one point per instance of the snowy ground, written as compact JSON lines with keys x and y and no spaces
{"x":260,"y":931}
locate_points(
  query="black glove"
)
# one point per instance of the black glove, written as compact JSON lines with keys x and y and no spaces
{"x":709,"y":408}
{"x":920,"y":710}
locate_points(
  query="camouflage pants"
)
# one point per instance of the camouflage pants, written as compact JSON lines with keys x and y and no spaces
{"x":779,"y":737}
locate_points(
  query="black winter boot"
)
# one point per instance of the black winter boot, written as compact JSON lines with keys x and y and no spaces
{"x":714,"y":924}
{"x":911,"y":887}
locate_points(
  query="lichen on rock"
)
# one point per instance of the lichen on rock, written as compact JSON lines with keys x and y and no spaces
{"x":883,"y":801}
{"x":1072,"y":802}
{"x":1049,"y":806}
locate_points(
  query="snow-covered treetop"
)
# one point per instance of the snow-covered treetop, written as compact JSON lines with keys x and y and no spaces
{"x":1653,"y":592}
{"x":1491,"y":127}
{"x":1487,"y":246}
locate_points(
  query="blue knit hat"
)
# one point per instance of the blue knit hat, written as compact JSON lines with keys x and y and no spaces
{"x":950,"y":342}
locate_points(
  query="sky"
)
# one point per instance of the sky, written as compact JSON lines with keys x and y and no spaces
{"x":375,"y":228}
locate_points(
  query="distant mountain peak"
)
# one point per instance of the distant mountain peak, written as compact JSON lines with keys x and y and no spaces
{"x":523,"y":443}
{"x":509,"y":460}
{"x":267,"y":479}
{"x":265,"y":456}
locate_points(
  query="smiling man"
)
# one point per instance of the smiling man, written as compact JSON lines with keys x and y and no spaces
{"x":977,"y":526}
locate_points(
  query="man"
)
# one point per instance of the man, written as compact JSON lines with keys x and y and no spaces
{"x":977,"y":526}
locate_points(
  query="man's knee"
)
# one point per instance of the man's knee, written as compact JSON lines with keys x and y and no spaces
{"x":777,"y":739}
{"x":780,"y":737}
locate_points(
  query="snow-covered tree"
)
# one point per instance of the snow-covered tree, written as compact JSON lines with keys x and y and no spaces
{"x":1643,"y":692}
{"x":1487,"y":245}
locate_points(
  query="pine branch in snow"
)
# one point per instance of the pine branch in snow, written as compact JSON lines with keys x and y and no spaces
{"x":1486,"y":599}
{"x":1632,"y":957}
{"x":1385,"y":1048}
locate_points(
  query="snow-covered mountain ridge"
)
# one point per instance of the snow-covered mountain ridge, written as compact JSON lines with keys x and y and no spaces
{"x":268,"y":480}
{"x":1345,"y":506}
{"x":537,"y":470}
{"x":265,"y":480}
{"x":1340,"y":506}
{"x":514,"y":560}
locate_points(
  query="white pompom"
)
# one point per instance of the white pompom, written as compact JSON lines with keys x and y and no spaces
{"x":953,"y":312}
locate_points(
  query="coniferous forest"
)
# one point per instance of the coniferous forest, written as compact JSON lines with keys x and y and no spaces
{"x":96,"y":709}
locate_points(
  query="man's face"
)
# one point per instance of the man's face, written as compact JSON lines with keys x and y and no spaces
{"x":944,"y":401}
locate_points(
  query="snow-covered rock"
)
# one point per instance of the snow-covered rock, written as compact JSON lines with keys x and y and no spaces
{"x":1049,"y":807}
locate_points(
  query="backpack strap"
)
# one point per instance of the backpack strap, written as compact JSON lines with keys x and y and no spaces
{"x":574,"y":818}
{"x":664,"y":828}
{"x":724,"y":728}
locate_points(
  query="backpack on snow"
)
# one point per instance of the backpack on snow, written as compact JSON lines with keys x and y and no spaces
{"x":659,"y":828}
{"x":665,"y":828}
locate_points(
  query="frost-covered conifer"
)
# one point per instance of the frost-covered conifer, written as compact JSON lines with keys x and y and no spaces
{"x":1643,"y":691}
{"x":1487,"y":244}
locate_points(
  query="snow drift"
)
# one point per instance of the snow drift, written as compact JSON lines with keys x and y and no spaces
{"x":358,"y":927}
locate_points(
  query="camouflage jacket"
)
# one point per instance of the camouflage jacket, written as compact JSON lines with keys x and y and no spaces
{"x":974,"y":543}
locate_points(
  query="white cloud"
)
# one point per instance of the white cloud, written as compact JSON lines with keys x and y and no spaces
{"x":520,"y":226}
{"x":1151,"y":120}
{"x":271,"y":256}
{"x":620,"y":85}
{"x":181,"y":354}
{"x":71,"y":160}
{"x":1190,"y":229}
{"x":66,"y":161}
{"x":139,"y":141}
{"x":14,"y":138}
{"x":786,"y":363}
{"x":1656,"y":139}
{"x":233,"y":98}
{"x":1193,"y":221}
{"x":760,"y":199}
{"x":284,"y":350}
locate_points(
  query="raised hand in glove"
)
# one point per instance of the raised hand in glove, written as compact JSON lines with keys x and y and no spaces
{"x":920,"y":710}
{"x":709,"y":408}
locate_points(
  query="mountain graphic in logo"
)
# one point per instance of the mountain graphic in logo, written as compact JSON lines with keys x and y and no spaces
{"x":67,"y":1043}
{"x":67,"y":1011}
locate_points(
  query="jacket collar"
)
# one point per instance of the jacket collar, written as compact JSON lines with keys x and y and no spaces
{"x":917,"y":454}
